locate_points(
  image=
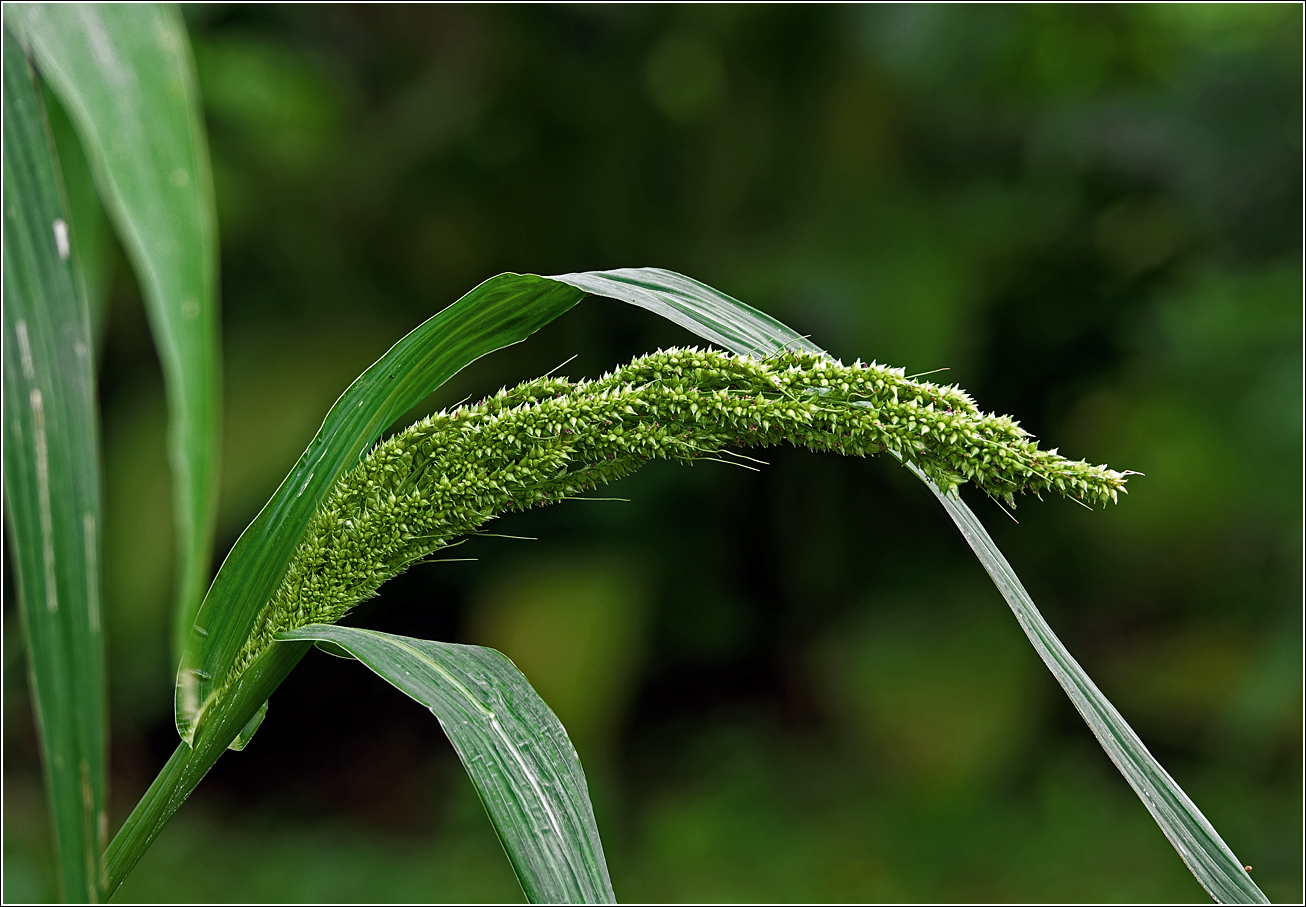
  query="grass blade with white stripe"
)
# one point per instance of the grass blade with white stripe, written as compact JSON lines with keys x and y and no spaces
{"x":514,"y":749}
{"x":52,"y":482}
{"x":124,"y":74}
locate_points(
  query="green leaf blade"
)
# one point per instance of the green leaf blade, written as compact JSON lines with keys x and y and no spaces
{"x":695,"y":306}
{"x":513,"y":747}
{"x":1188,"y":830}
{"x":125,"y":76}
{"x":53,"y":496}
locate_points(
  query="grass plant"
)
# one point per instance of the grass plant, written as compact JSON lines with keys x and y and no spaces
{"x":359,"y":507}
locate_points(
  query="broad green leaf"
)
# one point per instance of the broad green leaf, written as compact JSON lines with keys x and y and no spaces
{"x":125,"y":76}
{"x":514,"y":749}
{"x":52,"y":482}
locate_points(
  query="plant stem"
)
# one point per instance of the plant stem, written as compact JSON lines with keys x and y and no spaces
{"x":146,"y":820}
{"x":189,"y":764}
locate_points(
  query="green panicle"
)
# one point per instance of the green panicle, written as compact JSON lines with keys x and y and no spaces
{"x":550,"y":439}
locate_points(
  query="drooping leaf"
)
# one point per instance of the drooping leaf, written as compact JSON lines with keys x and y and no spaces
{"x":514,"y":749}
{"x":124,"y":74}
{"x":1192,"y":835}
{"x":1197,"y":842}
{"x":52,"y":482}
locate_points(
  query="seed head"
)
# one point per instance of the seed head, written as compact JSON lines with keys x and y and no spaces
{"x":549,"y":439}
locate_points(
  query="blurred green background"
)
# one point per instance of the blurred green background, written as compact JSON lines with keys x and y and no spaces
{"x":799,"y":684}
